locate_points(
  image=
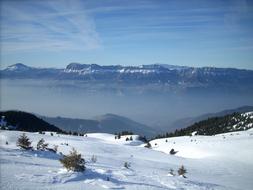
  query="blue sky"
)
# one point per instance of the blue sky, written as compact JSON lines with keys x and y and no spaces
{"x":128,"y":32}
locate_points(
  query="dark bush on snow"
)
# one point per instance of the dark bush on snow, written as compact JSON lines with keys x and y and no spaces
{"x":41,"y":145}
{"x":24,"y":142}
{"x":127,"y":165}
{"x":172,"y":151}
{"x":182,"y":171}
{"x":73,"y":161}
{"x":94,"y":158}
{"x":171,"y":172}
{"x":148,"y":145}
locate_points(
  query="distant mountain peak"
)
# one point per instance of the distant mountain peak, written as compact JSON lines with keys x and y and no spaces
{"x":172,"y":67}
{"x":18,"y":66}
{"x":83,"y":69}
{"x":119,"y":68}
{"x":109,"y":116}
{"x":76,"y":66}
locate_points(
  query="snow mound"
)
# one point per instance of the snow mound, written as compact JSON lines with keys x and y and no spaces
{"x":234,"y":145}
{"x":109,"y":138}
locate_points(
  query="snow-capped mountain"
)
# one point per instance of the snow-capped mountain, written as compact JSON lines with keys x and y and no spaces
{"x":21,"y":71}
{"x":84,"y":69}
{"x":159,"y":73}
{"x":18,"y":67}
{"x":156,"y":73}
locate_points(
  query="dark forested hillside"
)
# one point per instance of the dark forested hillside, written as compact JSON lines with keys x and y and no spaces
{"x":216,"y":125}
{"x":27,"y":122}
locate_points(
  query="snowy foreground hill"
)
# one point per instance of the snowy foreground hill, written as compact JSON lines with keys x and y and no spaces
{"x":223,"y":161}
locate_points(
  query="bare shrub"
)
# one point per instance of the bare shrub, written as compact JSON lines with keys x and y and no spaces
{"x":148,"y":145}
{"x":41,"y":145}
{"x":127,"y":165}
{"x":171,"y":172}
{"x":24,"y":142}
{"x":182,"y":171}
{"x":73,"y":161}
{"x":94,"y":158}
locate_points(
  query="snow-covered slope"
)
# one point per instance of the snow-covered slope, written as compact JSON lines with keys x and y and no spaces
{"x":234,"y":145}
{"x":219,"y":163}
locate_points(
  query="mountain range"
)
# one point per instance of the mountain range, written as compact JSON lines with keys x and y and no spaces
{"x":108,"y":123}
{"x":112,"y":123}
{"x":216,"y":123}
{"x":167,"y":75}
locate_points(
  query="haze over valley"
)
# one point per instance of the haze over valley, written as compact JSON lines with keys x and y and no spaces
{"x":155,"y":95}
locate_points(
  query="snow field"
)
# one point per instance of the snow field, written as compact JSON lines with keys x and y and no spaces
{"x":212,"y":162}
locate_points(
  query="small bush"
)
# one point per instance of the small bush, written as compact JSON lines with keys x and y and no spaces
{"x":73,"y":161}
{"x":55,"y":148}
{"x":182,"y":171}
{"x":75,"y":133}
{"x":127,"y":165}
{"x":148,"y":145}
{"x":94,"y":158}
{"x":41,"y":145}
{"x":172,"y":151}
{"x":171,"y":172}
{"x":24,"y":142}
{"x":52,"y":134}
